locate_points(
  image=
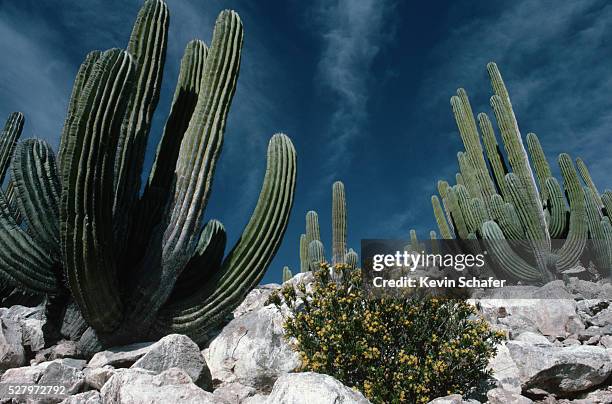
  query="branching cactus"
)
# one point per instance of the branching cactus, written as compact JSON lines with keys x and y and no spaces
{"x":142,"y":266}
{"x":312,"y":250}
{"x":512,"y":202}
{"x":287,"y":275}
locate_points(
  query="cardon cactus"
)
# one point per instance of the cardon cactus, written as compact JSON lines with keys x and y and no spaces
{"x":312,"y":250}
{"x":142,"y":266}
{"x":287,"y":275}
{"x":523,"y":205}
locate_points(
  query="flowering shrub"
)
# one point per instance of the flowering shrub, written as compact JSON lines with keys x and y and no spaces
{"x":394,"y":351}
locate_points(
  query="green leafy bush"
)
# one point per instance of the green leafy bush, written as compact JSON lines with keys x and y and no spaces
{"x":394,"y":351}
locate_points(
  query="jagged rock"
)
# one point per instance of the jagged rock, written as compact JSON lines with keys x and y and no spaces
{"x":12,"y":353}
{"x":120,"y":357}
{"x":73,"y":324}
{"x":570,"y":342}
{"x":606,"y":341}
{"x":551,"y":308}
{"x":533,"y":338}
{"x":451,"y":399}
{"x":89,"y":397}
{"x":504,"y":370}
{"x":256,"y":399}
{"x":96,"y":378}
{"x":603,"y":396}
{"x":176,"y":351}
{"x":234,"y":392}
{"x":54,"y":373}
{"x":561,"y":371}
{"x":516,"y":324}
{"x":31,"y":321}
{"x":601,"y":319}
{"x":589,"y":307}
{"x":252,"y":350}
{"x":136,"y":386}
{"x":501,"y":396}
{"x":310,"y":388}
{"x":256,"y":299}
{"x":589,"y":290}
{"x":63,"y":349}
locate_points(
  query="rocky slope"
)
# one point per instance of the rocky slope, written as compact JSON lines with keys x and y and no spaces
{"x":559,"y":350}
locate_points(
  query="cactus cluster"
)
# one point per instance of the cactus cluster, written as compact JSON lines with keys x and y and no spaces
{"x":312,"y":250}
{"x":512,"y":207}
{"x":140,"y":265}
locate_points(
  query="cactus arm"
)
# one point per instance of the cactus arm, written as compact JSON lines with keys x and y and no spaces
{"x":11,"y":201}
{"x":588,"y":180}
{"x":205,"y":261}
{"x":596,"y":230}
{"x":23,"y":263}
{"x":34,"y":172}
{"x":469,"y":134}
{"x":457,"y":216}
{"x":87,"y":191}
{"x":542,"y":168}
{"x":577,"y":234}
{"x":556,"y":206}
{"x":316,"y":255}
{"x":463,"y":197}
{"x":468,"y":173}
{"x":75,"y":98}
{"x":159,"y":188}
{"x":246,"y":264}
{"x":494,"y":155}
{"x":523,"y":206}
{"x":606,"y":226}
{"x":445,"y":230}
{"x":517,"y":156}
{"x":606,"y":198}
{"x":507,"y":260}
{"x":198,"y":155}
{"x":351,"y":259}
{"x":338,"y":223}
{"x":443,"y":188}
{"x":287,"y":275}
{"x":147,"y":45}
{"x":303,"y":254}
{"x":312,"y":227}
{"x":414,"y":241}
{"x":8,"y":141}
{"x":459,"y":179}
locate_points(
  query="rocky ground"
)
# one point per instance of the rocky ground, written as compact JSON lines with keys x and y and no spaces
{"x":559,"y":350}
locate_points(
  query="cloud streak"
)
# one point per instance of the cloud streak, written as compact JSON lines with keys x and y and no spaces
{"x":353,"y":33}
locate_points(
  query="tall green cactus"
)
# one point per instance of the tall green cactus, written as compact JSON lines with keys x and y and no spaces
{"x":518,"y":205}
{"x":338,"y":224}
{"x":312,"y":250}
{"x":143,"y":266}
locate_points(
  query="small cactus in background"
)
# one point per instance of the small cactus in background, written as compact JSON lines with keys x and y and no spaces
{"x":287,"y":275}
{"x":312,"y":250}
{"x":523,"y":205}
{"x":141,"y":266}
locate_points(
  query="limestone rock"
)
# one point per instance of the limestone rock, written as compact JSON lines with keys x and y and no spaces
{"x":252,"y":350}
{"x":139,"y":386}
{"x":310,"y":388}
{"x":120,"y":357}
{"x":561,"y":371}
{"x":176,"y":351}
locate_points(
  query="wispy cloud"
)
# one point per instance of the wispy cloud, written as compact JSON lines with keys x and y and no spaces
{"x":555,"y":59}
{"x":353,"y":33}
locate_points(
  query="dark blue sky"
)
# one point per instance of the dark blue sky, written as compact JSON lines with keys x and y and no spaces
{"x":362,"y":87}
